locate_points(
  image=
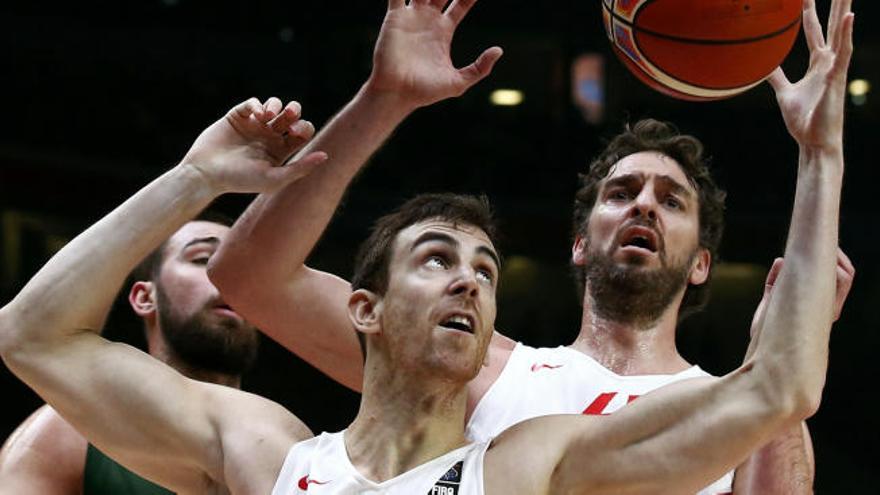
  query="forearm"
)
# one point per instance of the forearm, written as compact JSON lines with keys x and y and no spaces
{"x":272,"y":239}
{"x":74,"y":289}
{"x":794,"y":337}
{"x":259,"y":267}
{"x":784,"y":466}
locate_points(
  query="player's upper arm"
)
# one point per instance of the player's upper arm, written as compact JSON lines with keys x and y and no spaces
{"x":131,"y":406}
{"x":308,"y":315}
{"x":44,"y":455}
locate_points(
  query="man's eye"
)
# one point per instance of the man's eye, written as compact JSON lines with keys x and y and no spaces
{"x":201,"y":260}
{"x":619,"y":194}
{"x":436,"y":262}
{"x":486,"y":276}
{"x":673,"y":203}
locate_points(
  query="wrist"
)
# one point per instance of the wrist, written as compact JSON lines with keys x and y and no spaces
{"x":198,"y":183}
{"x":826,"y":157}
{"x":388,"y":102}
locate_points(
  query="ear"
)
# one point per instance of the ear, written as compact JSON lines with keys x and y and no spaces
{"x":700,"y":267}
{"x":142,"y":298}
{"x":364,"y":311}
{"x":578,"y":257}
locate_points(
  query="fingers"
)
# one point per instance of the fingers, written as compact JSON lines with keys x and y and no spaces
{"x":458,"y":9}
{"x":271,"y":108}
{"x":245,"y":109}
{"x":481,"y":67}
{"x":438,"y":4}
{"x":396,"y":4}
{"x":845,"y":263}
{"x":778,"y":80}
{"x":839,"y":10}
{"x":297,"y":169}
{"x":773,"y":274}
{"x":812,"y":26}
{"x":844,"y":44}
{"x":290,"y":114}
{"x":845,"y":274}
{"x":296,"y":135}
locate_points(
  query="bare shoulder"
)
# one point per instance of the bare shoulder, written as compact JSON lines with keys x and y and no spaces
{"x":500,"y":348}
{"x":45,"y":454}
{"x":256,"y":434}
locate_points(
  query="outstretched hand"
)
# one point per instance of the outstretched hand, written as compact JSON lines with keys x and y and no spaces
{"x":247,"y":150}
{"x":412,"y":56}
{"x":813,"y":107}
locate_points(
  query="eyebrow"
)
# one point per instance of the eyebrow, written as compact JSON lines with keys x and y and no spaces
{"x":432,"y":236}
{"x":201,"y":240}
{"x":668,"y":181}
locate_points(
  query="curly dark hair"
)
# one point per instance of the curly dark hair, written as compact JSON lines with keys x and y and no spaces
{"x":687,"y":151}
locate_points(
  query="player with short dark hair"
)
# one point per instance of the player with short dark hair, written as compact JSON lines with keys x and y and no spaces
{"x":626,"y":346}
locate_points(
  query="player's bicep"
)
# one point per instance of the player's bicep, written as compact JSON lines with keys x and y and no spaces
{"x":131,"y":406}
{"x":310,"y":318}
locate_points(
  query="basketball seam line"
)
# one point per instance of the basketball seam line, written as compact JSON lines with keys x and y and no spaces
{"x":697,"y":41}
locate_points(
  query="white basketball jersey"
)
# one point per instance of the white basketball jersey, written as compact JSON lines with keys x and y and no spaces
{"x":545,"y":381}
{"x":320,"y":466}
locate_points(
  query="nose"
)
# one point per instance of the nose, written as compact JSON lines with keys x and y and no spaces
{"x":465,"y":283}
{"x":645,"y":205}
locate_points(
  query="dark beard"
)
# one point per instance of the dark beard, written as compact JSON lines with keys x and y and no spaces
{"x":229,"y":347}
{"x":630,"y":295}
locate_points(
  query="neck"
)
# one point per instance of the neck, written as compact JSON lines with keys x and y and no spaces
{"x":404,"y":421}
{"x":631,"y":348}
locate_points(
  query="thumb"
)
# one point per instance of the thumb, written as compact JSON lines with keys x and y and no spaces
{"x":481,"y":67}
{"x":295,"y":170}
{"x":778,"y":80}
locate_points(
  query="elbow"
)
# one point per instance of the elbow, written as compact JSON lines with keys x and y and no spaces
{"x":792,"y":399}
{"x":806,"y":403}
{"x":7,"y":337}
{"x":11,"y":343}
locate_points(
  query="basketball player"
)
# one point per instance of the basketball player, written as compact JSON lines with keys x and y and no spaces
{"x":425,"y":303}
{"x":187,"y":326}
{"x":621,"y":353}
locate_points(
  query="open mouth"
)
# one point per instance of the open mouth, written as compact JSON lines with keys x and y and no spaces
{"x":459,"y":322}
{"x":640,"y":237}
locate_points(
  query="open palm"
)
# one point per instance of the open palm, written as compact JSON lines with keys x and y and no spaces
{"x":412,"y":56}
{"x":813,"y":107}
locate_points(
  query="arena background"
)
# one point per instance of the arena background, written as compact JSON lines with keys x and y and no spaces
{"x":101,"y":97}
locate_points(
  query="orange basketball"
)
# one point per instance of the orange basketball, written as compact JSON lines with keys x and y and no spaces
{"x":702,"y":49}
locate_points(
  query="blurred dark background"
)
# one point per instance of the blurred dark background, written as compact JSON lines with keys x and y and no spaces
{"x":101,"y":97}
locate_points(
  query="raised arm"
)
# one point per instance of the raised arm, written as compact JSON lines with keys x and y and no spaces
{"x":786,"y":465}
{"x":677,"y":439}
{"x":260,"y":270}
{"x":149,"y":417}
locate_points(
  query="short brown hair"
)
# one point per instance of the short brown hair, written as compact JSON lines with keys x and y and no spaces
{"x":374,"y":254}
{"x":687,"y":151}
